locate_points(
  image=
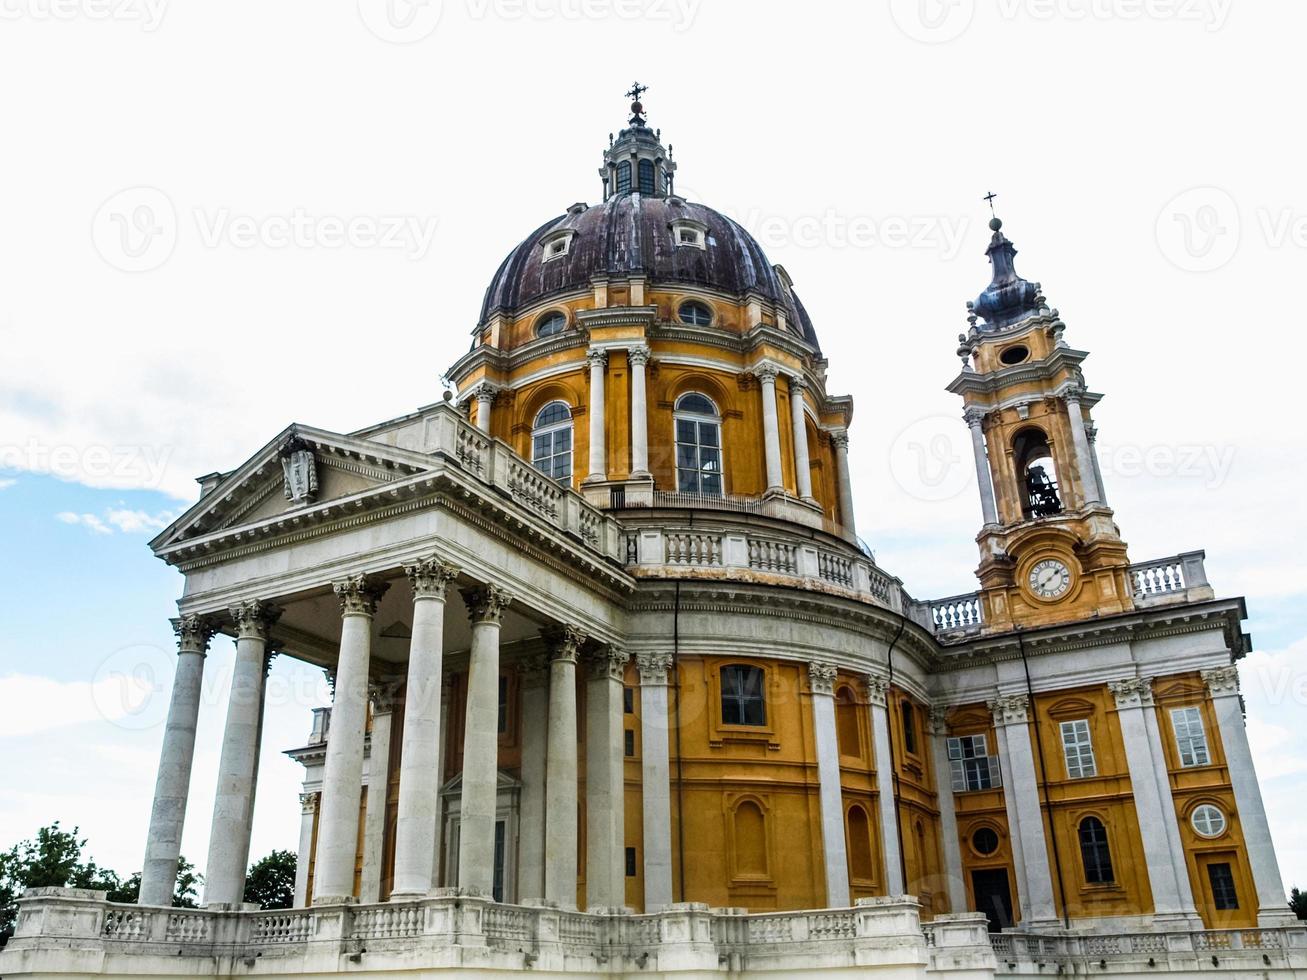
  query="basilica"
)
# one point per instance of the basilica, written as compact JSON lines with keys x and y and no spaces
{"x":619,"y":691}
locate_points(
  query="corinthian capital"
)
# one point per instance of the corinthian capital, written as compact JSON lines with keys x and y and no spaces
{"x":358,"y":594}
{"x":1010,"y":709}
{"x":974,"y":417}
{"x":193,"y":634}
{"x":1222,"y":681}
{"x":1132,"y":692}
{"x":797,"y":383}
{"x":597,"y":357}
{"x":840,"y":440}
{"x":309,"y":802}
{"x":875,"y":687}
{"x":653,"y":668}
{"x":609,"y":663}
{"x":563,"y":642}
{"x":253,"y":619}
{"x":429,"y":577}
{"x":485,"y":392}
{"x":821,"y":677}
{"x":766,"y":373}
{"x":486,"y":604}
{"x":638,"y":355}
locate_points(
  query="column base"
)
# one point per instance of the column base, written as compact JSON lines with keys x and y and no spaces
{"x":334,"y":900}
{"x":1180,"y":921}
{"x":1274,"y":918}
{"x":408,"y":896}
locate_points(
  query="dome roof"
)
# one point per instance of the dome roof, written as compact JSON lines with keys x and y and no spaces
{"x":631,"y":233}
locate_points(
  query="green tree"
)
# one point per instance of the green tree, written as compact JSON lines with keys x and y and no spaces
{"x":1298,"y":903}
{"x":271,"y":881}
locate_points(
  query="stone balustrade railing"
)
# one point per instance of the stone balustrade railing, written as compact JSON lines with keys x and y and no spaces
{"x":1181,"y":578}
{"x":1281,"y":948}
{"x":58,"y":925}
{"x":495,"y":463}
{"x":738,"y":548}
{"x":957,"y":614}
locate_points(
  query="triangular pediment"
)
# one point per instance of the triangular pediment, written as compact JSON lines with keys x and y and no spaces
{"x":300,"y":468}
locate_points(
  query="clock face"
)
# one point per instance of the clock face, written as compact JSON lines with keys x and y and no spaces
{"x":1050,"y":579}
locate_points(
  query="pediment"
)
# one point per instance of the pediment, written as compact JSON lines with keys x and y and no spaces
{"x":300,"y":468}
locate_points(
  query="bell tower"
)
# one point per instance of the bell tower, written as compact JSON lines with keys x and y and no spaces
{"x":1050,"y":550}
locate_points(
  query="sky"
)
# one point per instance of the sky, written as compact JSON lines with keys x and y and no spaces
{"x":219,"y":219}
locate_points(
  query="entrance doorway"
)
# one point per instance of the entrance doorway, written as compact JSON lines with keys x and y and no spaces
{"x":993,"y":897}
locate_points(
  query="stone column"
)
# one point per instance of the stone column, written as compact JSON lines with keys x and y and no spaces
{"x":840,"y":440}
{"x":438,"y":852}
{"x":1091,"y":430}
{"x":308,"y":809}
{"x":598,"y":360}
{"x":1223,"y":686}
{"x":877,"y":689}
{"x":771,"y":431}
{"x":533,"y":689}
{"x":802,"y":466}
{"x":476,"y":842}
{"x":605,"y":823}
{"x":342,"y":778}
{"x":638,"y":357}
{"x":374,"y":814}
{"x":984,"y":477}
{"x":560,"y":765}
{"x":1080,"y":440}
{"x":1155,"y":813}
{"x":173,"y":782}
{"x":233,"y":804}
{"x":419,"y":757}
{"x":656,"y":777}
{"x":821,"y":682}
{"x":948,"y":821}
{"x":1024,"y":810}
{"x":485,"y":397}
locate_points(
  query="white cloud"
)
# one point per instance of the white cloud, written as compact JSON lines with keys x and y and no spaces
{"x":127,"y":521}
{"x":6,"y":484}
{"x":85,"y":520}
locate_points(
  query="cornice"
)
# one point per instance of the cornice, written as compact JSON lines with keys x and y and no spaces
{"x":1061,"y":358}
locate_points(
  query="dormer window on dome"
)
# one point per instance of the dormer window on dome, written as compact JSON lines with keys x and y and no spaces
{"x":558,"y":244}
{"x":689,"y":233}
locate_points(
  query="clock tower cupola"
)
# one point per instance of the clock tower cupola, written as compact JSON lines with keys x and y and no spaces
{"x":1050,"y":550}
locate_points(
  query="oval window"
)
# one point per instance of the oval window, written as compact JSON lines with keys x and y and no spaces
{"x":1208,"y":821}
{"x":550,"y":324}
{"x":696,"y":314}
{"x":1014,"y":355}
{"x":985,"y":841}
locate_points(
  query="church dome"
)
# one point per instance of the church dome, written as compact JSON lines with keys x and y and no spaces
{"x":634,"y":234}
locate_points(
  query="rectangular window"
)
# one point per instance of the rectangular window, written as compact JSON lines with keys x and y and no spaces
{"x":630,"y":862}
{"x":497,"y":875}
{"x":1190,"y":739}
{"x":628,"y":700}
{"x":909,"y":726}
{"x":742,"y":696}
{"x":503,"y":704}
{"x":1078,"y":750}
{"x":623,"y":177}
{"x":628,"y":743}
{"x":1221,"y":878}
{"x":971,"y":765}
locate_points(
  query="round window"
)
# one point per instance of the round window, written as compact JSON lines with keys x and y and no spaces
{"x":1014,"y":355}
{"x":985,"y":841}
{"x":1208,"y":821}
{"x":550,"y":324}
{"x":696,"y":314}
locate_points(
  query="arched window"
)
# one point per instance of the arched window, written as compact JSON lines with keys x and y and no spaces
{"x":743,"y":701}
{"x":695,"y":313}
{"x":750,"y":840}
{"x":846,"y":722}
{"x":623,"y":176}
{"x":551,"y":441}
{"x":1095,"y":852}
{"x":698,"y":446}
{"x":860,"y":863}
{"x":551,"y":323}
{"x":646,"y":177}
{"x":1036,"y":474}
